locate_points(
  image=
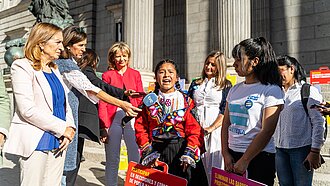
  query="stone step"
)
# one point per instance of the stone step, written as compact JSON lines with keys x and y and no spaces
{"x":94,"y":152}
{"x":321,"y":179}
{"x":325,"y":168}
{"x":326,"y":147}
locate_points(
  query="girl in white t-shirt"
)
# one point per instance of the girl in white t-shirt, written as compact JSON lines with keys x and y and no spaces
{"x":252,"y":111}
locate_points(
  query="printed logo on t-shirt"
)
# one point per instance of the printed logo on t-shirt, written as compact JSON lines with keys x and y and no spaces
{"x":248,"y":104}
{"x":238,"y":118}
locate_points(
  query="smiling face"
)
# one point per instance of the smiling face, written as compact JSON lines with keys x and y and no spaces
{"x":78,"y":49}
{"x":53,"y":47}
{"x":210,"y":68}
{"x":121,"y":59}
{"x":166,"y":77}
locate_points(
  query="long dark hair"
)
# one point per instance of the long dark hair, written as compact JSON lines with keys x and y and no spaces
{"x":72,"y":35}
{"x":177,"y":84}
{"x":89,"y":58}
{"x":266,"y":70}
{"x":288,"y":61}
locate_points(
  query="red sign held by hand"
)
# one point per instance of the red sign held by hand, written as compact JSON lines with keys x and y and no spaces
{"x":138,"y":174}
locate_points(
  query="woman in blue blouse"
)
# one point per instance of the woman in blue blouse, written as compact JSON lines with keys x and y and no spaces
{"x":42,"y":126}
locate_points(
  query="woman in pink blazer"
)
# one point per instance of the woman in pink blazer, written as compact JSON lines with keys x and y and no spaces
{"x":119,"y":75}
{"x":42,"y":126}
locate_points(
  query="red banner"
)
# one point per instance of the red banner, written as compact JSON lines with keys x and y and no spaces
{"x":138,"y":174}
{"x":222,"y":178}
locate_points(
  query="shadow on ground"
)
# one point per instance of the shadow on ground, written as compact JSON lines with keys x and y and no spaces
{"x":9,"y":174}
{"x":99,"y":174}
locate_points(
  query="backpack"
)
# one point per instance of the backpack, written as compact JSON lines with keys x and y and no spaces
{"x":304,"y":93}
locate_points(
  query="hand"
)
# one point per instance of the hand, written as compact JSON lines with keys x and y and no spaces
{"x":132,"y":94}
{"x":240,"y":166}
{"x":104,"y":135}
{"x":130,"y":109}
{"x":153,"y":163}
{"x":314,"y":160}
{"x":208,"y":130}
{"x":2,"y":139}
{"x":64,"y":143}
{"x":325,"y":111}
{"x":185,"y":166}
{"x":69,"y":133}
{"x":129,"y":92}
{"x":229,"y":162}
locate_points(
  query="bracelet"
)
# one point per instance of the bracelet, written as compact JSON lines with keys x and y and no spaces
{"x":313,"y":151}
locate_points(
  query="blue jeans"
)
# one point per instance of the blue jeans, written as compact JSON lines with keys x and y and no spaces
{"x":290,"y":168}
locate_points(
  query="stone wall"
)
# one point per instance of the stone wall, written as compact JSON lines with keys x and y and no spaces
{"x":108,"y":14}
{"x":16,"y":20}
{"x":158,"y":31}
{"x":197,"y":39}
{"x":301,"y":28}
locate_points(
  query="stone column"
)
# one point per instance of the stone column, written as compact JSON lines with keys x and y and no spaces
{"x":260,"y":18}
{"x":230,"y":23}
{"x":138,"y":33}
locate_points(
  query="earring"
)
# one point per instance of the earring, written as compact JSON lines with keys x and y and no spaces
{"x":42,"y":49}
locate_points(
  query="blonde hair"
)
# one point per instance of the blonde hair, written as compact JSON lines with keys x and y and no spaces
{"x":220,"y":72}
{"x":40,"y":33}
{"x":119,"y":46}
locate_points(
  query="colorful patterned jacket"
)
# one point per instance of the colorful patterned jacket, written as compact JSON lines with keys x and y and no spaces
{"x":147,"y":126}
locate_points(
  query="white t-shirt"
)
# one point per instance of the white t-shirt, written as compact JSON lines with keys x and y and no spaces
{"x":246,"y":103}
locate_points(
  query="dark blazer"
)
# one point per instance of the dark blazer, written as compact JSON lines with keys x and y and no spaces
{"x":88,"y":112}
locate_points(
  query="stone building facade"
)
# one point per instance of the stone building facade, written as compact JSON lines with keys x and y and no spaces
{"x":186,"y":31}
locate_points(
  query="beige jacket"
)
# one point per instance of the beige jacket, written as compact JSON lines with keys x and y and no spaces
{"x":34,"y":109}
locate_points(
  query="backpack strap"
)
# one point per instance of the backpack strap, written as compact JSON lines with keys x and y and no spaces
{"x":304,"y":93}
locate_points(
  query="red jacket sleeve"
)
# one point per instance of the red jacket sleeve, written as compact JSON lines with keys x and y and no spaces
{"x":133,"y":81}
{"x":103,"y":112}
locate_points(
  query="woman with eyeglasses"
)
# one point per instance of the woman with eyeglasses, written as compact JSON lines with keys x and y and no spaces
{"x":298,"y":136}
{"x":209,"y":93}
{"x":74,"y":42}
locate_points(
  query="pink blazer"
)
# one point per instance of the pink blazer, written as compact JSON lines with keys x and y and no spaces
{"x":34,"y":109}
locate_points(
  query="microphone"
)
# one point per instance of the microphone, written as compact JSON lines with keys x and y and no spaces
{"x":148,"y":100}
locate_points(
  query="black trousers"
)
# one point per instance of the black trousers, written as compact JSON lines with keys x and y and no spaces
{"x":170,"y":153}
{"x":261,"y":168}
{"x":71,"y":176}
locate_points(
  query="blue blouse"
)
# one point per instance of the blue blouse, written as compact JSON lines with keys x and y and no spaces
{"x":48,"y":141}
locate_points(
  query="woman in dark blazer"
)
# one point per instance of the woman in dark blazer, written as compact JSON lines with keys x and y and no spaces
{"x":88,"y":112}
